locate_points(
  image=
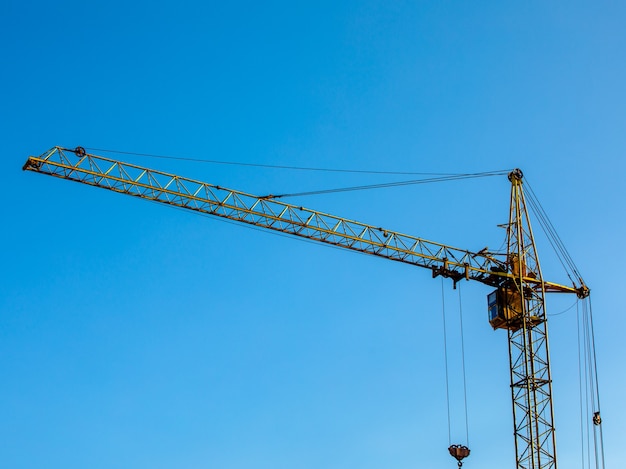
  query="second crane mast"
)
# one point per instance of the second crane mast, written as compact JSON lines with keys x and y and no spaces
{"x":517,"y":305}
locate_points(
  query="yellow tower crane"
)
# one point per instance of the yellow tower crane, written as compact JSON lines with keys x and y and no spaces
{"x":517,"y":305}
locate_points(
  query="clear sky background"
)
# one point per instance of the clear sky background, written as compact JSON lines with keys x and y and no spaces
{"x":133,"y":335}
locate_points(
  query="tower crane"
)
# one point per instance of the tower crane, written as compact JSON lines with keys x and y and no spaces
{"x":515,"y":305}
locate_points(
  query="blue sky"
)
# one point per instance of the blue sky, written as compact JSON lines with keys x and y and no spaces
{"x":133,"y":335}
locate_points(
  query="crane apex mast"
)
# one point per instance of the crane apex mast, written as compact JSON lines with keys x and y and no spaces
{"x":526,"y":325}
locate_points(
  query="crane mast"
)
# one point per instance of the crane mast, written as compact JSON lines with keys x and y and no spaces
{"x":516,"y":305}
{"x":531,"y":385}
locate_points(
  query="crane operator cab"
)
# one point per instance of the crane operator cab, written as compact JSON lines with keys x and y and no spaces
{"x":505,"y":305}
{"x":506,"y":310}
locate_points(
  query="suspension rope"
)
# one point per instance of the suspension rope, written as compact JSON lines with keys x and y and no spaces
{"x":595,"y":392}
{"x":583,"y":395}
{"x":553,"y":237}
{"x":463,"y":365}
{"x":593,"y":353}
{"x":445,"y":354}
{"x":270,"y":166}
{"x":440,"y":177}
{"x":388,"y":184}
{"x":575,"y":303}
{"x":548,"y":229}
{"x":580,"y":391}
{"x":589,"y":388}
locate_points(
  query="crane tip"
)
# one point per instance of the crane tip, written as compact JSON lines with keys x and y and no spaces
{"x":516,"y":174}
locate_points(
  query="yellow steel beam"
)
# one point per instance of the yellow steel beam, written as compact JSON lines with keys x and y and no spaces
{"x":79,"y":166}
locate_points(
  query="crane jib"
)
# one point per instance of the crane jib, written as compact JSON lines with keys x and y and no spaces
{"x":447,"y":261}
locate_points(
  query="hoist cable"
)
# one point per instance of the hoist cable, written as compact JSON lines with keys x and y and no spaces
{"x":445,"y":354}
{"x":588,"y":386}
{"x":593,"y":353}
{"x":463,"y":366}
{"x":589,"y":390}
{"x":583,"y":394}
{"x":269,"y":166}
{"x":595,"y":392}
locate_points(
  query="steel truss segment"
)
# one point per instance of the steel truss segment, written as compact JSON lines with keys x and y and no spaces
{"x":273,"y":214}
{"x":535,"y":441}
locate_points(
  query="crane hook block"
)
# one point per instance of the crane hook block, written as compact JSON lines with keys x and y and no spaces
{"x":597,"y":420}
{"x":459,"y":452}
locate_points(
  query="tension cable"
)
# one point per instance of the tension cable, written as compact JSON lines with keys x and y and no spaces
{"x":269,"y":166}
{"x":459,"y":452}
{"x":388,"y":184}
{"x":591,"y":419}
